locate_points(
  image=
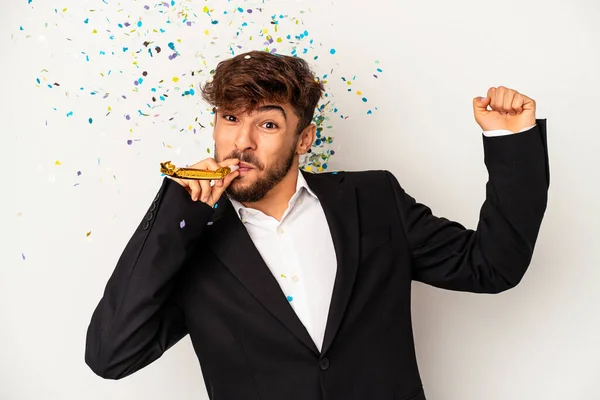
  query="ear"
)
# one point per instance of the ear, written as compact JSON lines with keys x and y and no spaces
{"x":306,"y":139}
{"x":214,"y":125}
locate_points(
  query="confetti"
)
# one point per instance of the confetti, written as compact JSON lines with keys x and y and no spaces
{"x":182,"y":224}
{"x":134,"y":41}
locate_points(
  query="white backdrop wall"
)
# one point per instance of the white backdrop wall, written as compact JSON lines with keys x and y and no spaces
{"x":81,"y":139}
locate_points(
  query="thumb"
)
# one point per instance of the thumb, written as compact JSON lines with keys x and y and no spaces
{"x":480,"y":104}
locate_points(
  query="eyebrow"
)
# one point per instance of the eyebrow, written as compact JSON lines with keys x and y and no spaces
{"x":264,"y":108}
{"x":270,"y":107}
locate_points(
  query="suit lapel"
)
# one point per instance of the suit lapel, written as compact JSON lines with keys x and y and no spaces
{"x":338,"y":199}
{"x":234,"y":247}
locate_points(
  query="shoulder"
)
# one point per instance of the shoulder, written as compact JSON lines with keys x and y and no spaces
{"x":361,"y":179}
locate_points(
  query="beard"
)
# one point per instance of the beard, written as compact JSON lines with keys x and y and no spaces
{"x":264,"y":183}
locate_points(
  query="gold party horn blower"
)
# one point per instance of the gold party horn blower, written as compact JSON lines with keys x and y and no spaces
{"x":170,"y":169}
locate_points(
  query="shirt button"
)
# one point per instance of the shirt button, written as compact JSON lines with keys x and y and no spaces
{"x":280,"y":231}
{"x":324,"y":364}
{"x":244,"y":220}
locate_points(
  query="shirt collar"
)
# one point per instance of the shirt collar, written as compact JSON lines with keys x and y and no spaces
{"x":300,"y":185}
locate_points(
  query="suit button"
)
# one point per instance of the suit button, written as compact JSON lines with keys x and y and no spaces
{"x":146,"y":225}
{"x":324,"y":364}
{"x":153,"y":206}
{"x":150,"y":216}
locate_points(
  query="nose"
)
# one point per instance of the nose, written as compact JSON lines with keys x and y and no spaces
{"x":244,"y":139}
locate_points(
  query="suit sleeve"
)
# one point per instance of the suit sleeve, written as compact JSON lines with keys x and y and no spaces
{"x":139,"y":316}
{"x":496,"y":255}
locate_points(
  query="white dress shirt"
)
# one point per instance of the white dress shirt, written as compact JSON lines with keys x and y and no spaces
{"x":299,"y":252}
{"x":305,"y":272}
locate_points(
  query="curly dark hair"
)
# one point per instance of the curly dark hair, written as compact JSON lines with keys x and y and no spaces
{"x":243,"y":82}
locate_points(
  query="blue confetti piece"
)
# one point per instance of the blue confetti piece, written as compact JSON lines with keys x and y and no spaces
{"x":70,"y":114}
{"x":290,"y":298}
{"x":85,"y":21}
{"x":216,"y":205}
{"x":364,"y":99}
{"x":90,"y":120}
{"x":332,"y":51}
{"x":139,"y":24}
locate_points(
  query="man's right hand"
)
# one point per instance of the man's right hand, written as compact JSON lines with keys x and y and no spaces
{"x":201,"y":189}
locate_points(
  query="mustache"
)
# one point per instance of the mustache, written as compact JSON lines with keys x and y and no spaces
{"x":248,"y":158}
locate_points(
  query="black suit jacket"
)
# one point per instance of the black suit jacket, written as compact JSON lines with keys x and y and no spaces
{"x":208,"y":279}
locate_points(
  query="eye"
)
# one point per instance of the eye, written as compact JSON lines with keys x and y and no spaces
{"x":270,"y":125}
{"x":229,"y":118}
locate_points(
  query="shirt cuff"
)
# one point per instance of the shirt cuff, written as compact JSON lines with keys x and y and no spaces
{"x":502,"y":132}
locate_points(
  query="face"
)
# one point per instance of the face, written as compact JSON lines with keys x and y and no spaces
{"x":266,"y":142}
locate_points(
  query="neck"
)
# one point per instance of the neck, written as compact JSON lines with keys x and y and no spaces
{"x":276,"y":201}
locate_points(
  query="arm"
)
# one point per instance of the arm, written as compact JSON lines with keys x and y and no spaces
{"x":139,"y":318}
{"x":495,"y":256}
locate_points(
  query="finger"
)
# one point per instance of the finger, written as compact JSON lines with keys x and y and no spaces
{"x":229,"y":162}
{"x":509,"y":96}
{"x":493,"y":94}
{"x":217,"y":191}
{"x":204,"y":190}
{"x":480,"y":104}
{"x":517,"y":103}
{"x":528,"y":103}
{"x":500,"y":95}
{"x":195,"y":187}
{"x":211,"y":164}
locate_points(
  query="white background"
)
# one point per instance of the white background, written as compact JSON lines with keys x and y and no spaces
{"x":540,"y":340}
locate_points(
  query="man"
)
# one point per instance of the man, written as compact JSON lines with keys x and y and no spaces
{"x":297,"y":286}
